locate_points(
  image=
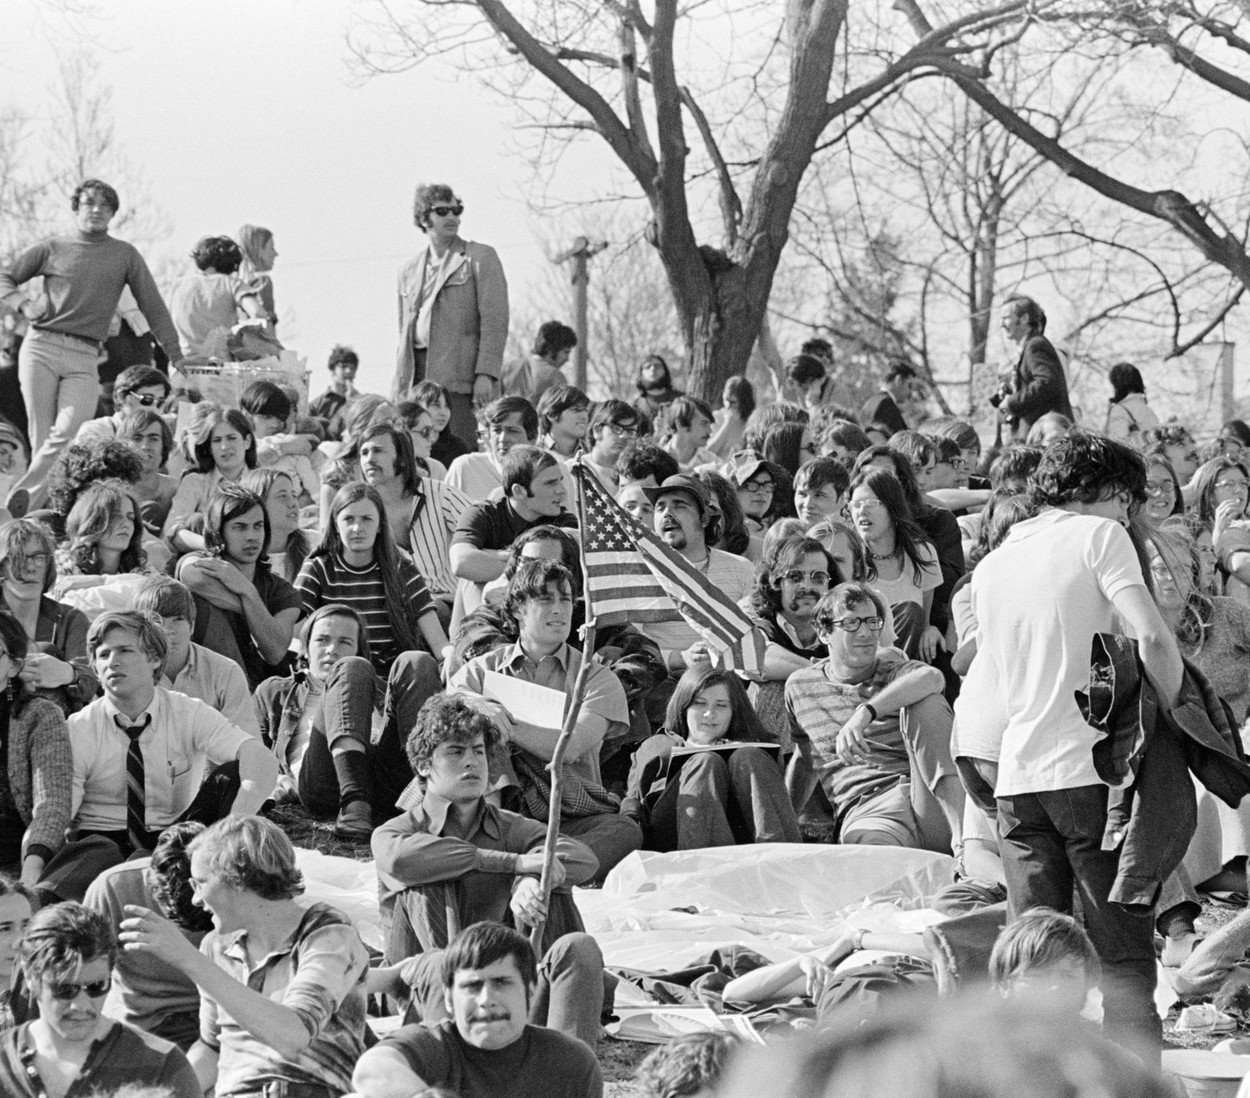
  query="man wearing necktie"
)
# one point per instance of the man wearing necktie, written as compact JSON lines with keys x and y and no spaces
{"x":141,"y":753}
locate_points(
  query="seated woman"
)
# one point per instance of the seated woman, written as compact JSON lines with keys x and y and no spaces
{"x":319,"y":723}
{"x":102,"y":559}
{"x":357,"y":564}
{"x":445,"y":447}
{"x":202,"y":305}
{"x":224,"y":448}
{"x":147,"y":431}
{"x":722,"y":795}
{"x":57,"y":666}
{"x":421,"y":430}
{"x":37,"y":779}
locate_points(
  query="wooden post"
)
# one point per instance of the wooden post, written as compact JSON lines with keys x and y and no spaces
{"x":555,"y":766}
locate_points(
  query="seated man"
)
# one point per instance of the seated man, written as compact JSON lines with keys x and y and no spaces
{"x":783,"y":604}
{"x":873,"y":728}
{"x":510,"y":421}
{"x":456,"y":859}
{"x":140,"y":386}
{"x":243,"y":609}
{"x":535,"y":491}
{"x":141,"y":752}
{"x":319,"y":722}
{"x":67,"y":956}
{"x":613,"y":428}
{"x":540,"y":602}
{"x":191,"y":668}
{"x":151,"y":994}
{"x":283,"y":985}
{"x":488,"y":1048}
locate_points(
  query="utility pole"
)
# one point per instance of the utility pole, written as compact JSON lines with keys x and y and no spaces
{"x":580,"y":253}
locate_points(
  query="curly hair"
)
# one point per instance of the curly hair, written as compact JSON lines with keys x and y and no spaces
{"x":765,"y":596}
{"x":1083,"y":467}
{"x":446,"y":718}
{"x":99,"y":506}
{"x":688,"y":1065}
{"x":107,"y":192}
{"x":426,"y":197}
{"x":220,"y":253}
{"x":82,"y":464}
{"x":168,"y":877}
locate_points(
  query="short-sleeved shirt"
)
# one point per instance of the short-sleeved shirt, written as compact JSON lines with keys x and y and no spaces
{"x":1038,"y":600}
{"x":320,"y":974}
{"x":435,"y":515}
{"x":542,"y":1061}
{"x":182,"y":738}
{"x":227,"y":633}
{"x":476,"y":475}
{"x":820,"y":705}
{"x":496,"y":525}
{"x":325,"y":579}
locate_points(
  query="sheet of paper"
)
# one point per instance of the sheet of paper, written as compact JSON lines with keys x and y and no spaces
{"x":724,"y":745}
{"x":526,"y":701}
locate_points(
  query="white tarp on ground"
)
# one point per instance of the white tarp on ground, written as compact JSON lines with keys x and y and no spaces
{"x":664,"y":911}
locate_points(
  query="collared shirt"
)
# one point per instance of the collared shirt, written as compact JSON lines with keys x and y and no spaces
{"x":604,"y":697}
{"x":476,"y":475}
{"x":423,"y":847}
{"x":220,"y":683}
{"x":434,"y":267}
{"x":733,"y":575}
{"x":319,"y":973}
{"x":435,"y":515}
{"x":182,"y":738}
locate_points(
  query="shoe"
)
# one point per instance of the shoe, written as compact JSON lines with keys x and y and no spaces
{"x":1176,"y":951}
{"x":18,"y":503}
{"x":1204,"y":1018}
{"x":355,"y":821}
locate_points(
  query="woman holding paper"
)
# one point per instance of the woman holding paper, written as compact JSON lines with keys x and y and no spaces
{"x":712,"y":777}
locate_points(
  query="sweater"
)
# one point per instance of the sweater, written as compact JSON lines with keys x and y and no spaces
{"x":83,"y":279}
{"x":41,"y":774}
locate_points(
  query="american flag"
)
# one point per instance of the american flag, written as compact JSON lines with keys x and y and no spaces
{"x":632,"y":576}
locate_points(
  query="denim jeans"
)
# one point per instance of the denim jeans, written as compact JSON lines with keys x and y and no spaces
{"x":1050,"y":842}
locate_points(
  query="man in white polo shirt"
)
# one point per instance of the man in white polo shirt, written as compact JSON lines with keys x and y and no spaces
{"x":1052,"y":806}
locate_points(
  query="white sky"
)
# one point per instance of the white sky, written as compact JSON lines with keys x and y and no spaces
{"x":236,"y":112}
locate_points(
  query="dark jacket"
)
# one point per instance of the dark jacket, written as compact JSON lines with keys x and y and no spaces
{"x":1038,"y":385}
{"x":880,"y":410}
{"x":1146,"y":756}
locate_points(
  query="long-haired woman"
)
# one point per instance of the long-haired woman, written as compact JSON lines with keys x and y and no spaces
{"x":102,"y":560}
{"x":223,"y":449}
{"x":737,"y":404}
{"x":902,"y":563}
{"x":1221,"y":520}
{"x":728,"y":790}
{"x":356,"y":563}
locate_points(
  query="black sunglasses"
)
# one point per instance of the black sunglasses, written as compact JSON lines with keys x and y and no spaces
{"x":443,"y":211}
{"x":66,"y":993}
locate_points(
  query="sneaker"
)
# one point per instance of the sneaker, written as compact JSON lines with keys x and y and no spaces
{"x":1204,"y":1018}
{"x":355,"y":821}
{"x":18,"y":503}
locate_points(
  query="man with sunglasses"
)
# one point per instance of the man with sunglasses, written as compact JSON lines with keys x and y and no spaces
{"x":67,"y":956}
{"x":453,"y":311}
{"x":784,"y":602}
{"x":873,"y":728}
{"x":136,"y":387}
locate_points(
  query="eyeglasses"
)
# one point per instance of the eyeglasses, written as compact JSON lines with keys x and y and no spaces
{"x":865,"y":505}
{"x":1156,"y":488}
{"x":621,"y":431}
{"x":795,"y":576}
{"x":67,"y":993}
{"x":427,"y":433}
{"x":146,"y":399}
{"x":443,"y":211}
{"x":852,"y":624}
{"x":1235,"y":484}
{"x":757,"y":487}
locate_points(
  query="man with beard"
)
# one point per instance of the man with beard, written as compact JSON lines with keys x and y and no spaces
{"x":783,"y":603}
{"x":151,"y":994}
{"x":873,"y":728}
{"x":488,"y":1048}
{"x":242,"y":609}
{"x":685,"y":522}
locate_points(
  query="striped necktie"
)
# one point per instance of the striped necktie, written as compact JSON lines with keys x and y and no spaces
{"x":136,"y":812}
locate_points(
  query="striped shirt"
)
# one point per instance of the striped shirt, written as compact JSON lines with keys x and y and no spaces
{"x":435,"y":516}
{"x":325,"y":579}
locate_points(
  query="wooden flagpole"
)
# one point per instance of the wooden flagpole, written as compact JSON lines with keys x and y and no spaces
{"x":566,"y":731}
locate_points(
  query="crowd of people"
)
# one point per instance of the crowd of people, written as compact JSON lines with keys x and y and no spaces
{"x":1032,"y":657}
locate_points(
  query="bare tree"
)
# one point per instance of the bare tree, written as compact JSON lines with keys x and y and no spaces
{"x":639,"y":81}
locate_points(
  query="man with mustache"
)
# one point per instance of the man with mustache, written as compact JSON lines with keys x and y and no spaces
{"x":540,"y":602}
{"x":488,"y":1048}
{"x":873,"y":728}
{"x":783,"y":603}
{"x":455,"y":859}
